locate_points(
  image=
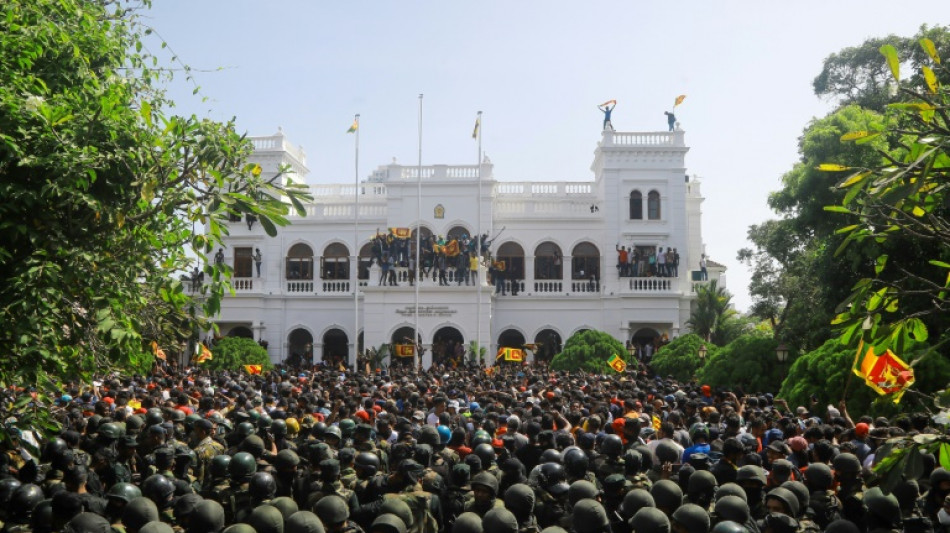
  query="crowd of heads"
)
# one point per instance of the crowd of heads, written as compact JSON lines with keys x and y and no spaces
{"x":519,"y":450}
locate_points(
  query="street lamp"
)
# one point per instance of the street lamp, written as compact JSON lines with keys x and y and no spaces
{"x":781,"y":353}
{"x":702,"y":352}
{"x":631,"y":350}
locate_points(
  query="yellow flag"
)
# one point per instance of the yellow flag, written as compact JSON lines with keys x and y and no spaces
{"x":205,"y":354}
{"x":355,"y":126}
{"x":617,"y":363}
{"x":253,"y":369}
{"x":679,"y":100}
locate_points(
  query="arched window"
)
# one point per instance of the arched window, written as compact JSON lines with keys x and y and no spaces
{"x":653,"y":205}
{"x":636,"y":206}
{"x":513,"y":256}
{"x":335,"y":263}
{"x":585,"y":262}
{"x":365,"y":260}
{"x":548,"y":261}
{"x":300,"y":262}
{"x":457,"y":233}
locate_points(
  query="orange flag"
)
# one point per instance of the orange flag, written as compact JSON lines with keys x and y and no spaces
{"x":254,"y":369}
{"x":158,"y":352}
{"x":205,"y":354}
{"x":886,"y":373}
{"x":679,"y":100}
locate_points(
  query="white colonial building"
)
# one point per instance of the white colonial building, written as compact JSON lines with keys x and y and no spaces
{"x":558,"y":240}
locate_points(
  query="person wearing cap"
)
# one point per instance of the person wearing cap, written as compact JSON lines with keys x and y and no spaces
{"x":860,"y":440}
{"x":206,"y":448}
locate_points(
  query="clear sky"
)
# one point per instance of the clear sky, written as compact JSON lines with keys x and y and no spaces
{"x":537,"y":70}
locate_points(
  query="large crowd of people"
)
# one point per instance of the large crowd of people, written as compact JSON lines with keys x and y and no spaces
{"x":515,"y":450}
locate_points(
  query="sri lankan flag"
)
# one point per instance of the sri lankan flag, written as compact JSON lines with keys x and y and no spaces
{"x":253,"y":369}
{"x":355,"y":126}
{"x":204,"y":354}
{"x":886,"y":373}
{"x":478,"y":125}
{"x":617,"y":363}
{"x":679,"y":100}
{"x":510,"y":354}
{"x":400,"y":233}
{"x":405,"y":350}
{"x":158,"y":352}
{"x":451,"y":249}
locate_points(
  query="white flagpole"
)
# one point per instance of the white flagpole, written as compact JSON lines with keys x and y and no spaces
{"x":415,"y":341}
{"x":478,"y":240}
{"x":356,"y":248}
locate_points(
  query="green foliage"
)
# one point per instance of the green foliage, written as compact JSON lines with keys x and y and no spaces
{"x":106,"y":197}
{"x":747,"y":363}
{"x":589,"y":351}
{"x":680,"y":358}
{"x":232,"y":353}
{"x":712,"y":313}
{"x":900,"y":205}
{"x":476,"y":353}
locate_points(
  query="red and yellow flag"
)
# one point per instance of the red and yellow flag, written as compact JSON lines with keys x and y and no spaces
{"x":405,"y":350}
{"x":886,"y":373}
{"x":617,"y":363}
{"x":451,"y":249}
{"x":609,"y":102}
{"x":679,"y":100}
{"x":510,"y":354}
{"x":253,"y":369}
{"x":400,"y":233}
{"x":204,"y":354}
{"x":158,"y":352}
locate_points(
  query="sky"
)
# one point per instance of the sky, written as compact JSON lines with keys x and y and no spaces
{"x":537,"y":70}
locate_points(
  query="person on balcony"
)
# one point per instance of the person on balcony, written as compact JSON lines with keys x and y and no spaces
{"x":219,"y":257}
{"x":670,"y":119}
{"x":258,"y":259}
{"x":703,"y":274}
{"x":661,"y":263}
{"x":607,"y":108}
{"x":473,"y":267}
{"x":675,"y":263}
{"x":622,"y":259}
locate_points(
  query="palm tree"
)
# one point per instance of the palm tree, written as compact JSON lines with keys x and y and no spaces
{"x":711,"y":313}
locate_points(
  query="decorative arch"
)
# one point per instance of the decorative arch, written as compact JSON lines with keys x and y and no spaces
{"x":548,"y":261}
{"x":398,"y":335}
{"x":448,"y":346}
{"x":585,"y":261}
{"x":580,"y":329}
{"x":299,"y":261}
{"x":653,"y":205}
{"x":512,"y":337}
{"x":550,"y":343}
{"x":457,"y":229}
{"x":365,"y":260}
{"x":336,"y":346}
{"x":335,"y":261}
{"x":512,"y":253}
{"x":636,"y":205}
{"x":299,"y":346}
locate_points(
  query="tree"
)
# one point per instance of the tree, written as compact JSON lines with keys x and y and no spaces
{"x":589,"y":351}
{"x":232,"y":353}
{"x":680,"y":358}
{"x":711,"y":312}
{"x":747,"y":363}
{"x":902,"y":199}
{"x":106,"y":198}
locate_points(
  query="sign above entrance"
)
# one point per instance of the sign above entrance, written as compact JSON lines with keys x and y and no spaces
{"x":427,"y":310}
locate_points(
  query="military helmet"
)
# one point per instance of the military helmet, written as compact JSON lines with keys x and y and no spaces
{"x":87,"y":522}
{"x":262,"y":486}
{"x":550,"y":456}
{"x":367,"y":462}
{"x":701,"y":482}
{"x":632,"y":462}
{"x":7,"y":487}
{"x":667,"y":452}
{"x":279,"y":428}
{"x":650,"y":520}
{"x":286,"y":459}
{"x":635,"y":500}
{"x":25,"y":498}
{"x":219,"y":466}
{"x":751,"y":473}
{"x":134,"y":424}
{"x":303,"y":522}
{"x":732,"y":508}
{"x":154,"y":416}
{"x":819,"y":476}
{"x":884,"y":507}
{"x":731,"y":489}
{"x":208,"y":517}
{"x":589,"y":516}
{"x":332,"y":510}
{"x":486,"y":480}
{"x":245,"y":528}
{"x":582,"y":490}
{"x":787,"y":498}
{"x":500,"y":520}
{"x":397,"y":507}
{"x":520,"y":499}
{"x":667,"y":494}
{"x":55,"y":448}
{"x":698,"y":431}
{"x":347,"y":427}
{"x":266,"y":519}
{"x":801,"y":494}
{"x":575,"y":461}
{"x":429,"y":435}
{"x":388,"y":523}
{"x":286,"y":505}
{"x":333,"y":431}
{"x":124,"y":492}
{"x":159,"y":489}
{"x":480,"y":437}
{"x":729,"y":526}
{"x":245,"y":429}
{"x":139,"y":512}
{"x":552,"y":478}
{"x":190,"y":421}
{"x":110,"y":431}
{"x":612,"y":446}
{"x":468,"y":522}
{"x":846,"y":463}
{"x":242,"y":466}
{"x":692,"y":517}
{"x":486,"y":453}
{"x":264,"y":422}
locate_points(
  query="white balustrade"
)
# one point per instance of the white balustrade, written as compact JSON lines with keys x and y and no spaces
{"x":650,"y":284}
{"x":300,"y":286}
{"x":242,"y":284}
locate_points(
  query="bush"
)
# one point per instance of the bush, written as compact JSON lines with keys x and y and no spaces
{"x":680,"y":358}
{"x":589,"y":351}
{"x":824,"y":372}
{"x":232,"y":353}
{"x":747,"y":363}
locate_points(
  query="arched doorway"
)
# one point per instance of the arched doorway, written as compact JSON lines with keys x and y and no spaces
{"x":646,"y":341}
{"x":448,"y":347}
{"x":402,"y":336}
{"x":458,"y":233}
{"x":510,"y":338}
{"x":299,"y":348}
{"x":364,"y":261}
{"x":549,"y":344}
{"x":243,"y":332}
{"x":513,"y":255}
{"x":547,"y":261}
{"x":335,"y":347}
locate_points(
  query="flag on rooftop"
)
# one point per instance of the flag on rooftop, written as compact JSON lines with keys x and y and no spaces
{"x":355,"y":126}
{"x":679,"y":100}
{"x":478,"y":124}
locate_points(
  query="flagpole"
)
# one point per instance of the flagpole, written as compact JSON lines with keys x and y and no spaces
{"x":416,"y":341}
{"x":356,"y":247}
{"x":478,"y":241}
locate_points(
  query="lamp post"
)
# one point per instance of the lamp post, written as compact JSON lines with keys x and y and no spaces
{"x":702,"y":353}
{"x":781,"y":354}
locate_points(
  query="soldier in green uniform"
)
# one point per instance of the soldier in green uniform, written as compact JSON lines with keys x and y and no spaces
{"x":236,"y":496}
{"x":346,"y":457}
{"x":633,"y":470}
{"x":850,"y":488}
{"x":22,"y":503}
{"x":206,"y":448}
{"x":484,"y":495}
{"x":519,"y":499}
{"x":823,"y":504}
{"x":161,"y":490}
{"x":330,"y":484}
{"x":216,"y":483}
{"x":610,"y":461}
{"x":117,"y":499}
{"x":334,"y":512}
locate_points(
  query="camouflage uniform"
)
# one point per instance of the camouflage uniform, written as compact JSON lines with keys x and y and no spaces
{"x":206,"y":450}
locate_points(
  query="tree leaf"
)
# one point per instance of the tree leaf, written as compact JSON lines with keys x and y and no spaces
{"x":930,"y":79}
{"x":837,"y":209}
{"x":832,"y":167}
{"x":931,"y":50}
{"x":940,"y":264}
{"x":890,"y":54}
{"x":854,"y":135}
